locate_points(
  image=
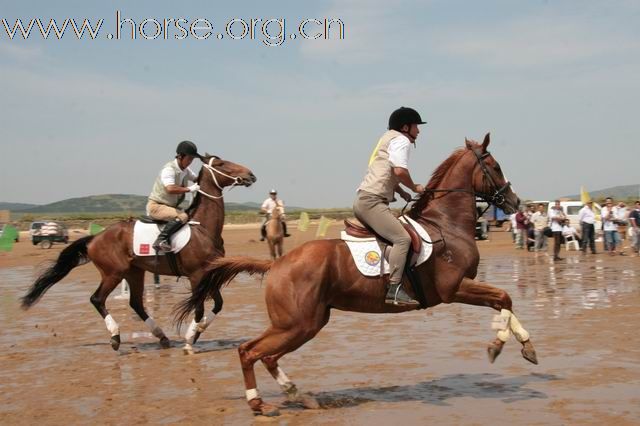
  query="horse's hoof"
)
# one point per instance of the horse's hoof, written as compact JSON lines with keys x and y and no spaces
{"x":115,"y":342}
{"x":260,"y":408}
{"x":188,"y":349}
{"x":529,"y":353}
{"x":493,"y":351}
{"x":309,"y":402}
{"x":165,"y":342}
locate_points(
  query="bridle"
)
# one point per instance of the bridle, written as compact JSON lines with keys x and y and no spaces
{"x":212,"y":170}
{"x":497,"y":198}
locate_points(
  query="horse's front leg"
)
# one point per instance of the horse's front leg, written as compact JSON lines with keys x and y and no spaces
{"x":472,"y":292}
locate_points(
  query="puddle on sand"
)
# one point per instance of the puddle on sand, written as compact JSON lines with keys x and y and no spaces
{"x":57,"y":355}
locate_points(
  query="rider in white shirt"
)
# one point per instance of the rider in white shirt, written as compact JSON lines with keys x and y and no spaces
{"x":267,"y":207}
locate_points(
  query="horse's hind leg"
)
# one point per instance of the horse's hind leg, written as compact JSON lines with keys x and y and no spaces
{"x":288,"y":387}
{"x":98,"y":299}
{"x":201,"y":322}
{"x":480,"y":294}
{"x":271,"y":346}
{"x":135,"y":278}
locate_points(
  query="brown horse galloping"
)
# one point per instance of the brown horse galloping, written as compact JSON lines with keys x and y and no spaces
{"x":112,"y":253}
{"x":303,"y":286}
{"x":275,"y":233}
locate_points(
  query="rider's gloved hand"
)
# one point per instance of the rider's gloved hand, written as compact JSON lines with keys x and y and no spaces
{"x":193,"y":188}
{"x":418,"y":189}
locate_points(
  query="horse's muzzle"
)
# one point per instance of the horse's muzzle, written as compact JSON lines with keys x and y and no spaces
{"x":248,"y":180}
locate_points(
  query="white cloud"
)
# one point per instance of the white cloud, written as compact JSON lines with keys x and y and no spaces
{"x":11,"y":50}
{"x":533,"y":42}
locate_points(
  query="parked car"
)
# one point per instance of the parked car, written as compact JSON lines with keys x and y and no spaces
{"x":35,"y":227}
{"x":5,"y":226}
{"x":47,"y":233}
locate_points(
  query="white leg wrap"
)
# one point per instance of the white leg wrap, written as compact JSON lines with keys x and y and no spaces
{"x":282,"y":379}
{"x":205,"y":322}
{"x":191,"y":332}
{"x":521,"y":334}
{"x":504,"y":335}
{"x":155,"y":330}
{"x":501,"y":323}
{"x":252,"y":394}
{"x":112,"y":325}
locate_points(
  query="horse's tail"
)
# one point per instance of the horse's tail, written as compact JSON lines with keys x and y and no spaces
{"x":68,"y":259}
{"x":219,"y":273}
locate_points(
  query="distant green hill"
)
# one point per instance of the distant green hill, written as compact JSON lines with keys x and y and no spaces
{"x":16,"y":206}
{"x":616,"y":192}
{"x":108,"y":203}
{"x":95,"y":203}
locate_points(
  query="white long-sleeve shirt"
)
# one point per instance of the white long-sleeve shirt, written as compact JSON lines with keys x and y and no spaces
{"x":586,"y":215}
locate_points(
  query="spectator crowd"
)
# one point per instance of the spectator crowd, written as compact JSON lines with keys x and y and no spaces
{"x":533,"y":226}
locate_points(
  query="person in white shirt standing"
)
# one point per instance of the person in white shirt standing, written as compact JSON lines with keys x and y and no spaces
{"x":539,"y":220}
{"x":169,"y":190}
{"x":556,"y":218}
{"x":610,"y":223}
{"x":587,"y":219}
{"x":267,"y":207}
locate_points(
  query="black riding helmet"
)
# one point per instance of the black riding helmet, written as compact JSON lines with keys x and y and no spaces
{"x":402,"y":116}
{"x":187,"y":148}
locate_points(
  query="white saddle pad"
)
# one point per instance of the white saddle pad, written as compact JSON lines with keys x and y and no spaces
{"x":367,"y":255}
{"x":145,"y":234}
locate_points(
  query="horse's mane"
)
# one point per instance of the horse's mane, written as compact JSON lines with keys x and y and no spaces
{"x":434,"y":182}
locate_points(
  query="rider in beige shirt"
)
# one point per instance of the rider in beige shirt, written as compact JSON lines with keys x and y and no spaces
{"x":388,"y":168}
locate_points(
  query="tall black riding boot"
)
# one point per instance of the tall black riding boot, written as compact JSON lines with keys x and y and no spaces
{"x":163,"y":242}
{"x":263,"y":232}
{"x":284,"y":228}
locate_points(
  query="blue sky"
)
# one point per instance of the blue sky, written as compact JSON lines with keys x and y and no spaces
{"x":555,"y":82}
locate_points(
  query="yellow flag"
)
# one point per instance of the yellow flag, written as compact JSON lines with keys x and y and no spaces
{"x":584,"y":196}
{"x":303,"y":222}
{"x":323,"y":226}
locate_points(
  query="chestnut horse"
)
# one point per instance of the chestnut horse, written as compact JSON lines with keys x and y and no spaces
{"x":303,"y":286}
{"x":275,"y":233}
{"x":112,"y":253}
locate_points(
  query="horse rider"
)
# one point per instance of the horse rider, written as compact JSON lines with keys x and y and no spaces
{"x":267,"y":207}
{"x":169,"y":190}
{"x":388,"y":168}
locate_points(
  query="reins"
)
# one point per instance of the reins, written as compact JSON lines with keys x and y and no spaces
{"x":497,"y":198}
{"x":236,"y":180}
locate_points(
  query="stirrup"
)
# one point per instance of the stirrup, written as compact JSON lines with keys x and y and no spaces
{"x":162,"y":245}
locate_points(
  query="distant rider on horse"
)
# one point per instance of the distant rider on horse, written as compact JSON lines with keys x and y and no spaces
{"x":388,"y":168}
{"x":267,"y":207}
{"x":168,"y":192}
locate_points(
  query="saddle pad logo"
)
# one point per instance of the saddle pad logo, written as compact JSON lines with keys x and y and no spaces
{"x":144,"y":248}
{"x":372,"y":258}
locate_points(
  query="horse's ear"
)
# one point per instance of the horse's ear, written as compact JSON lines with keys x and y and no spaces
{"x":468,"y":143}
{"x":485,"y":142}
